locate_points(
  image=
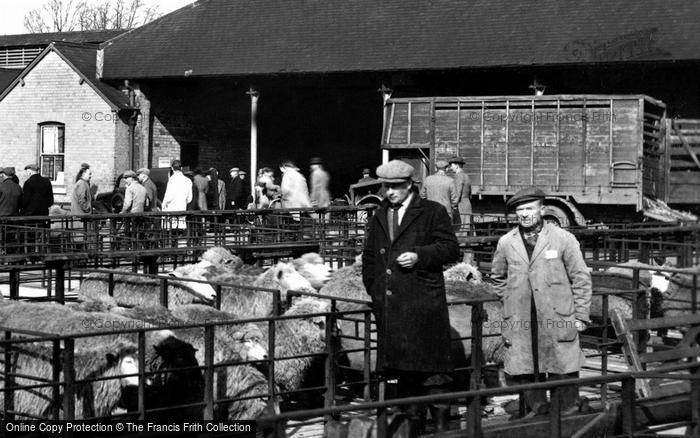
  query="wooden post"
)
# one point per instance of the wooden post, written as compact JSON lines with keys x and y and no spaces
{"x":9,"y":405}
{"x":474,"y":413}
{"x":329,"y":399}
{"x":555,"y":413}
{"x":254,"y":96}
{"x":69,"y":379}
{"x":695,"y":403}
{"x":141,"y":354}
{"x":367,"y":372}
{"x":628,"y":397}
{"x":209,"y":372}
{"x":14,"y":284}
{"x":164,"y":292}
{"x":60,"y":282}
{"x":55,"y":378}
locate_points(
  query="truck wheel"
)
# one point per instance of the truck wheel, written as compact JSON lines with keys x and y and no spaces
{"x":555,"y":215}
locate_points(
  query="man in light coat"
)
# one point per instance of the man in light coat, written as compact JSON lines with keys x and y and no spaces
{"x":440,"y":188}
{"x":152,"y":202}
{"x":293,"y":188}
{"x":545,"y":286}
{"x":178,"y":192}
{"x":135,"y":194}
{"x":320,"y":195}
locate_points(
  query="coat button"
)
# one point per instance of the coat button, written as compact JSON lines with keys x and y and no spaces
{"x":388,"y":293}
{"x":388,"y":272}
{"x":382,"y":251}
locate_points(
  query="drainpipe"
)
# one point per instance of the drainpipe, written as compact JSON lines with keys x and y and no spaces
{"x":132,"y":124}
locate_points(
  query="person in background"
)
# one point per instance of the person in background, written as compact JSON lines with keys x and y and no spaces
{"x":202,"y":184}
{"x":440,"y":188}
{"x":81,"y":199}
{"x":266,"y":190}
{"x":539,"y":273}
{"x":235,"y":190}
{"x":320,"y":196}
{"x":365,"y":176}
{"x":10,"y":193}
{"x":178,"y":193}
{"x":294,"y":191}
{"x":212,"y":189}
{"x":37,"y":193}
{"x":463,"y":189}
{"x":410,"y":240}
{"x":135,"y":194}
{"x":152,"y":202}
{"x":217,"y":191}
{"x":244,"y":196}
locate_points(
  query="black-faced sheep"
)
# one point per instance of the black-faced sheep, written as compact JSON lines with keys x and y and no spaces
{"x":96,"y":360}
{"x":65,"y":321}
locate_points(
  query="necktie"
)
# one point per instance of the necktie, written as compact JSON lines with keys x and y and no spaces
{"x":393,"y":221}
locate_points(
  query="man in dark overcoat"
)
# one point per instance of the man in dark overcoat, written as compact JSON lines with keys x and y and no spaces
{"x":410,"y":240}
{"x":37,"y":193}
{"x":235,"y":190}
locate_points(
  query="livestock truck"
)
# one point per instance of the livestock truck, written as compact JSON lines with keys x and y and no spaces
{"x":600,"y":158}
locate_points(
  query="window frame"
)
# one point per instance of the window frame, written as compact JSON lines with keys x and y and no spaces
{"x":51,"y":169}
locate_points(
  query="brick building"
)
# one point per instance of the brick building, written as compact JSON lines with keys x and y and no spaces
{"x":55,"y":113}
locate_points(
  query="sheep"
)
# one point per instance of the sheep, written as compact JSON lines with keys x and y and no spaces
{"x":298,"y":336}
{"x":232,"y":343}
{"x":96,"y":360}
{"x":63,"y":320}
{"x":347,"y":283}
{"x":133,"y":290}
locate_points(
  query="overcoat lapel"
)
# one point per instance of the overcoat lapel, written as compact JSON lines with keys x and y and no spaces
{"x":518,"y":245}
{"x":542,"y":242}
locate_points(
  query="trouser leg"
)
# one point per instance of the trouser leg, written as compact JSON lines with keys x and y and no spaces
{"x":535,"y":400}
{"x":569,"y":393}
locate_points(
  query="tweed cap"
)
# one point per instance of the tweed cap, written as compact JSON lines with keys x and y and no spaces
{"x":233,"y":169}
{"x":34,"y":167}
{"x":143,"y":171}
{"x":129,"y":174}
{"x":243,"y":172}
{"x":441,"y":164}
{"x":316,"y":160}
{"x":528,"y":194}
{"x":458,"y":160}
{"x":9,"y":171}
{"x":395,"y":171}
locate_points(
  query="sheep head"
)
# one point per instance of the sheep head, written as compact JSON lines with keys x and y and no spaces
{"x":288,"y":278}
{"x":313,"y":268}
{"x":221,"y":256}
{"x":250,"y":338}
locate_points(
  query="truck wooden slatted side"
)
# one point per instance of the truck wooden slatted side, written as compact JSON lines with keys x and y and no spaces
{"x":597,"y":156}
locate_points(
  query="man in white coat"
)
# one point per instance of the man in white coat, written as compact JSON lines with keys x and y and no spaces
{"x":295,"y":192}
{"x":178,"y":193}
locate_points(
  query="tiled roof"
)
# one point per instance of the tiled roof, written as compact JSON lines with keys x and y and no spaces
{"x":243,"y":37}
{"x":82,"y":57}
{"x":44,"y":39}
{"x":7,"y":75}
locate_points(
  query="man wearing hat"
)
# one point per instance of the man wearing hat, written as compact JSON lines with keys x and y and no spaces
{"x":293,"y":188}
{"x":236,"y":190}
{"x":152,"y":201}
{"x":440,"y":188}
{"x":135,"y":194}
{"x":10,"y":193}
{"x":463,"y":190}
{"x":37,"y":195}
{"x":178,"y":193}
{"x":541,"y":277}
{"x":365,"y":176}
{"x":410,"y":239}
{"x":320,"y":195}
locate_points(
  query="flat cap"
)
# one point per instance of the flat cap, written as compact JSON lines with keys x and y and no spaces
{"x":143,"y":171}
{"x":441,"y":164}
{"x":34,"y":167}
{"x":84,"y":166}
{"x":395,"y":171}
{"x":315,"y":160}
{"x":9,"y":171}
{"x":458,"y":160}
{"x":129,"y":174}
{"x":233,"y":169}
{"x":528,"y":194}
{"x":242,"y":172}
{"x":365,"y":170}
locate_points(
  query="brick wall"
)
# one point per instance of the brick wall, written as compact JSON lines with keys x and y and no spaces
{"x":52,"y":92}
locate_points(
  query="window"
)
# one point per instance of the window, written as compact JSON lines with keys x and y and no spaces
{"x":53,"y":151}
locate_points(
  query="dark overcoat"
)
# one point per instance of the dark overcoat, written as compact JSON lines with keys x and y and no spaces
{"x":10,"y":197}
{"x":409,"y":305}
{"x":37,"y":196}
